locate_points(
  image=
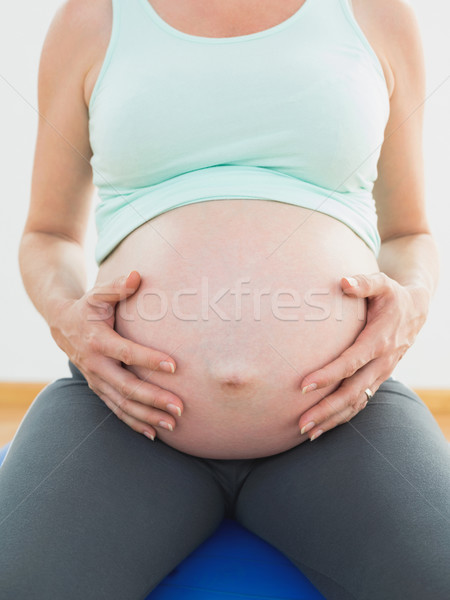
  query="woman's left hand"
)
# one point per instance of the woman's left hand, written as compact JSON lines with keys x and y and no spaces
{"x":395,"y":315}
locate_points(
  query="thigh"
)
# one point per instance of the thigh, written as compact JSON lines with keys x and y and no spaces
{"x":364,"y":510}
{"x":91,"y":509}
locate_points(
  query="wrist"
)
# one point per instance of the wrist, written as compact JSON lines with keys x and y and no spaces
{"x":421,"y":298}
{"x":56,"y":310}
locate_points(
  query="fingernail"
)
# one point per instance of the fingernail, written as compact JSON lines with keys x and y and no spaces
{"x":307,"y":427}
{"x":149,"y":435}
{"x":167,"y":366}
{"x":316,"y":435}
{"x":175,"y":410}
{"x":309,"y":388}
{"x":166,"y":425}
{"x":351,"y":281}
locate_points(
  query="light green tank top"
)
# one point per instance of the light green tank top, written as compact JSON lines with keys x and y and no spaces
{"x":295,"y":113}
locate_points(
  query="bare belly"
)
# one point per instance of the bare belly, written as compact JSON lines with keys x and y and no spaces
{"x":245,"y":295}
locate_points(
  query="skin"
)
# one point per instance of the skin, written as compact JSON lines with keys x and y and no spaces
{"x":397,"y":293}
{"x":237,"y":374}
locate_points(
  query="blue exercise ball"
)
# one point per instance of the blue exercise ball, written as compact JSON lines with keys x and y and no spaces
{"x":3,"y":452}
{"x":233,"y":564}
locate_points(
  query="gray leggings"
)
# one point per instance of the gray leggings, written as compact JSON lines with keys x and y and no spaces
{"x":92,"y":510}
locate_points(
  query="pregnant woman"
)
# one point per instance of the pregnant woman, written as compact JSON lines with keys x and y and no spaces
{"x":264,"y":262}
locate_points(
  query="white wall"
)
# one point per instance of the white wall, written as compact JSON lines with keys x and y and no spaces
{"x":27,"y":351}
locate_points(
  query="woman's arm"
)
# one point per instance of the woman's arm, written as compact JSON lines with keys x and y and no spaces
{"x":51,"y":252}
{"x":408,"y":252}
{"x":398,"y":297}
{"x":412,"y":260}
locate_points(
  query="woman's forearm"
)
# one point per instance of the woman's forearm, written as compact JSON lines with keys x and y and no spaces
{"x":413,"y":261}
{"x":53,"y":271}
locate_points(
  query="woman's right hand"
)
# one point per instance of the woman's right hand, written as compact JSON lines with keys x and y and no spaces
{"x":84,"y":330}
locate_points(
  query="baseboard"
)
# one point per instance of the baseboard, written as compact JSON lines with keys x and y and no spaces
{"x":17,"y":394}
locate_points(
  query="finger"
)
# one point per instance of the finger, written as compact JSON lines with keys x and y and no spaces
{"x":132,"y":412}
{"x":346,"y":416}
{"x":136,"y":425}
{"x":333,"y":405}
{"x":115,"y":291}
{"x":112,"y":344}
{"x":366,"y":286}
{"x":354,"y":358}
{"x":347,"y":401}
{"x":130,"y":387}
{"x":370,"y":344}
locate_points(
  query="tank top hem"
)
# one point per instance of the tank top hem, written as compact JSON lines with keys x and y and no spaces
{"x":234,"y":182}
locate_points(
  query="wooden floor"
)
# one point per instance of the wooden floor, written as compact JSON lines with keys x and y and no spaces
{"x":444,"y":423}
{"x":15,"y":399}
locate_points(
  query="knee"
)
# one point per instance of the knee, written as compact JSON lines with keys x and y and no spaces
{"x":405,"y":578}
{"x":412,"y":564}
